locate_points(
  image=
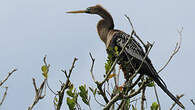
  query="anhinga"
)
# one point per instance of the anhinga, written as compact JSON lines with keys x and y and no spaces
{"x":133,"y":51}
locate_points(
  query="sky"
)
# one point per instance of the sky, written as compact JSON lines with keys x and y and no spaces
{"x":31,"y":29}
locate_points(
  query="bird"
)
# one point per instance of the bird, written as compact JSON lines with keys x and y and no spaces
{"x":133,"y":54}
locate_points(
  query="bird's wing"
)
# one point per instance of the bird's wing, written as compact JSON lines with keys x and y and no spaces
{"x":133,"y":48}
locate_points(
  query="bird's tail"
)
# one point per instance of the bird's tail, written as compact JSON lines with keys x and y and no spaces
{"x":158,"y":80}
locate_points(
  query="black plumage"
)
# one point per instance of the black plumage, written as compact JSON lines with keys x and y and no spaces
{"x":131,"y":59}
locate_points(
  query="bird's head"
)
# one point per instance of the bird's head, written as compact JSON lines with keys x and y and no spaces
{"x":90,"y":10}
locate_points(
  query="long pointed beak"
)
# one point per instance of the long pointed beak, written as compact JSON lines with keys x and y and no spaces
{"x":79,"y":11}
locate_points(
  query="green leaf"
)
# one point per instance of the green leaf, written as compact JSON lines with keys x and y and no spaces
{"x":84,"y":94}
{"x":44,"y":69}
{"x":71,"y":86}
{"x":45,"y":75}
{"x":154,"y":106}
{"x":116,"y":50}
{"x":94,"y":93}
{"x":71,"y":103}
{"x":69,"y":93}
{"x":91,"y":89}
{"x":108,"y":65}
{"x":151,"y":84}
{"x":56,"y":99}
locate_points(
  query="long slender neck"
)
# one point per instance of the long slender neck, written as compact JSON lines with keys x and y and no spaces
{"x":105,"y":25}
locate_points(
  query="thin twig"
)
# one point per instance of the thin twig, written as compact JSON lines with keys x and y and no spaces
{"x":156,"y":94}
{"x":178,"y":97}
{"x":4,"y":96}
{"x":117,"y":97}
{"x":130,"y":22}
{"x":192,"y":101}
{"x":8,"y":75}
{"x":136,"y":81}
{"x":38,"y":93}
{"x":128,"y":18}
{"x":98,"y":101}
{"x":175,"y":51}
{"x":136,"y":92}
{"x":102,"y":93}
{"x":143,"y":98}
{"x":50,"y":88}
{"x":120,"y":96}
{"x":92,"y":65}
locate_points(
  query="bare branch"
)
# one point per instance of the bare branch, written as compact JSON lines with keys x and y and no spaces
{"x":146,"y":46}
{"x":136,"y":92}
{"x":64,"y":86}
{"x":38,"y":93}
{"x":50,"y":88}
{"x":4,"y":96}
{"x":178,"y":97}
{"x":175,"y":51}
{"x":120,"y":96}
{"x":143,"y":98}
{"x":136,"y":81}
{"x":98,"y":101}
{"x":92,"y":65}
{"x":130,"y":22}
{"x":192,"y":101}
{"x":112,"y":101}
{"x":8,"y":75}
{"x":156,"y":94}
{"x":45,"y":62}
{"x":48,"y":65}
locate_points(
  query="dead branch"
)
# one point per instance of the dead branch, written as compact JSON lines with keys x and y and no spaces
{"x":192,"y":101}
{"x":38,"y":93}
{"x":143,"y":98}
{"x":64,"y":86}
{"x":99,"y":86}
{"x":120,"y":96}
{"x":4,"y":96}
{"x":178,"y":97}
{"x":156,"y":94}
{"x":175,"y":51}
{"x":145,"y":45}
{"x":8,"y":75}
{"x":92,"y":65}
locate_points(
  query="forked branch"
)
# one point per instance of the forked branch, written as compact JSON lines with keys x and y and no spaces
{"x":8,"y":75}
